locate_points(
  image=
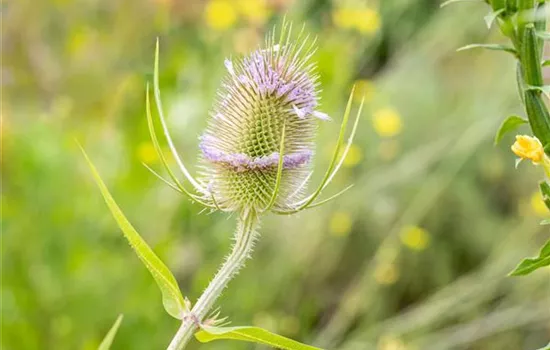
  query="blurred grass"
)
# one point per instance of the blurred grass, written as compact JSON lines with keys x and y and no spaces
{"x":344,"y":275}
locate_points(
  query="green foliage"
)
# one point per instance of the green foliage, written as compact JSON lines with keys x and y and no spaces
{"x":528,"y":265}
{"x":250,"y":334}
{"x":509,"y":124}
{"x":495,"y":47}
{"x":492,"y":16}
{"x":539,"y":118}
{"x":110,"y":336}
{"x":172,"y":299}
{"x":530,"y":57}
{"x":449,"y":2}
{"x":543,"y":35}
{"x":545,"y":191}
{"x":498,"y":4}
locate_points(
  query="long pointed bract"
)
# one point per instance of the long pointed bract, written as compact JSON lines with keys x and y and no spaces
{"x":158,"y":149}
{"x":303,"y":204}
{"x":165,"y":127}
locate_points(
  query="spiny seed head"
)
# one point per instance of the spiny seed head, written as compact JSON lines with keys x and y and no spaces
{"x":271,"y":89}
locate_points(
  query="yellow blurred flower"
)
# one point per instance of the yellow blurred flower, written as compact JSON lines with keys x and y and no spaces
{"x":79,"y":41}
{"x":289,"y":324}
{"x":164,"y":2}
{"x":265,"y":320}
{"x":365,"y":21}
{"x":340,"y":224}
{"x":363,"y":88}
{"x":391,"y":343}
{"x":387,"y":122}
{"x":354,"y":156}
{"x":343,"y":18}
{"x":538,"y":206}
{"x":146,"y":153}
{"x":386,"y":273}
{"x":255,"y":11}
{"x":220,"y":14}
{"x":527,"y":147}
{"x":414,"y":237}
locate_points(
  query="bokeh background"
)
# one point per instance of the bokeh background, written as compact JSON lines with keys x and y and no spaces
{"x":414,"y":257}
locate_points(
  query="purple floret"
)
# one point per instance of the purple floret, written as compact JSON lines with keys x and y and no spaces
{"x":282,"y":80}
{"x":240,"y":162}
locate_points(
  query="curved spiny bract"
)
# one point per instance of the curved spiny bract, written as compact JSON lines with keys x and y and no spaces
{"x":272,"y":89}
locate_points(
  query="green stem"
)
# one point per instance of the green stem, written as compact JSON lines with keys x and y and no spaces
{"x":245,"y":236}
{"x":537,"y":112}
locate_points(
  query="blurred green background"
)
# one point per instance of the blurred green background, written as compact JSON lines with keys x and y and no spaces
{"x":414,"y":257}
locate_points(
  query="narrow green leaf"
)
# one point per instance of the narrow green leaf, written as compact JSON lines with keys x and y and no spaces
{"x":545,"y":89}
{"x":491,"y":16}
{"x":526,"y":266}
{"x":547,"y":347}
{"x":178,"y":186}
{"x":545,"y":63}
{"x":545,"y":222}
{"x":545,"y":191}
{"x":529,"y":265}
{"x":495,"y":47}
{"x":510,"y":124}
{"x":543,"y":35}
{"x":545,"y":250}
{"x":448,"y":2}
{"x":250,"y":334}
{"x":108,"y":340}
{"x":171,"y":296}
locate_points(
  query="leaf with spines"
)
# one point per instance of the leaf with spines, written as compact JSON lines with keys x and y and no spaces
{"x":494,"y":47}
{"x":510,"y":124}
{"x":528,"y":265}
{"x":110,"y":336}
{"x":172,"y":299}
{"x":250,"y":334}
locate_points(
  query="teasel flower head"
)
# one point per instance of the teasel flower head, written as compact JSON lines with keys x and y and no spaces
{"x":257,"y":149}
{"x":266,"y":112}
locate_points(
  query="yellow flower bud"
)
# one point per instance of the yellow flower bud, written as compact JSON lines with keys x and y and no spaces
{"x":527,"y":147}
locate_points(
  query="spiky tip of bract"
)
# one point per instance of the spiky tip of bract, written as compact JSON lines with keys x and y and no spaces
{"x":272,"y":88}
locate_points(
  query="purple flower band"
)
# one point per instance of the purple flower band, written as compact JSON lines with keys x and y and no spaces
{"x":241,"y":162}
